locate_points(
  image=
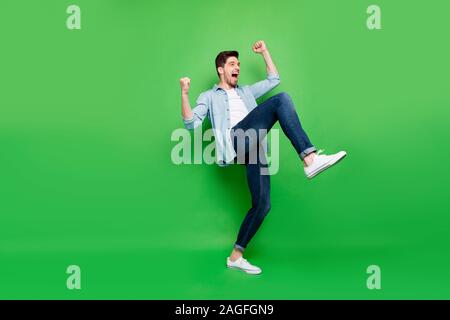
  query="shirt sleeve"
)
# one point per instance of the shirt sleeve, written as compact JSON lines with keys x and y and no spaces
{"x":199,"y":112}
{"x":260,"y":88}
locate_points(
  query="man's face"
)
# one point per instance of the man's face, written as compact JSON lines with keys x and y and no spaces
{"x":231,"y":71}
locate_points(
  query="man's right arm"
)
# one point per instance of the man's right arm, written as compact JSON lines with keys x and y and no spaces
{"x":192,"y":118}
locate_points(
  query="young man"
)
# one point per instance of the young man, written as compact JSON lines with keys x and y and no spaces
{"x":233,"y":110}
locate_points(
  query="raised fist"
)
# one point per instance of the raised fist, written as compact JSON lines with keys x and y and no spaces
{"x":259,"y":47}
{"x":185,"y":84}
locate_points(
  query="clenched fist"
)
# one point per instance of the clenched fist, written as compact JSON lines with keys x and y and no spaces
{"x":259,"y":47}
{"x":185,"y":84}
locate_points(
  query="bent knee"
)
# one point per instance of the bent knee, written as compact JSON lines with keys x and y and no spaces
{"x":284,"y":96}
{"x":284,"y":100}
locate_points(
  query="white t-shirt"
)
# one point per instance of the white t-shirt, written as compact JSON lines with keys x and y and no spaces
{"x":238,"y":110}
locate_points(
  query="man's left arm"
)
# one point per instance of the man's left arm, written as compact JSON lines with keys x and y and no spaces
{"x":273,"y":79}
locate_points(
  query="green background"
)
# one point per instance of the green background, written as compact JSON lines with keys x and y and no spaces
{"x":87,"y":179}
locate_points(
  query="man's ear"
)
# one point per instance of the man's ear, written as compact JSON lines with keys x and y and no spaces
{"x":220,"y":70}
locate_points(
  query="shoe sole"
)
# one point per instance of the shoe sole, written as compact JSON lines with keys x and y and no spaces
{"x":326,"y":166}
{"x":246,"y":271}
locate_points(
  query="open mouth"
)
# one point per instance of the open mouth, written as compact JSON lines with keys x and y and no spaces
{"x":235,"y":75}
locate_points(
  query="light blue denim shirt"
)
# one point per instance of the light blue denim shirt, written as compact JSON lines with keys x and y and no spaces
{"x":214,"y":105}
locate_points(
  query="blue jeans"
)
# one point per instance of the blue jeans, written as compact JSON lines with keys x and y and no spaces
{"x":277,"y":108}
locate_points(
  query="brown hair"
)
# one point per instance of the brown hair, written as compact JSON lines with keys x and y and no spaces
{"x":222,"y":58}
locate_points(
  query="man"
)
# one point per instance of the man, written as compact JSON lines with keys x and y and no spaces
{"x":233,"y":110}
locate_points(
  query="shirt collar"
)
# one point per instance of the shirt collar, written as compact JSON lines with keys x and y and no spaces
{"x":216,"y":87}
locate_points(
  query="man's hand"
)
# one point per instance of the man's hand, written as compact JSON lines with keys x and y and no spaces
{"x":185,"y":84}
{"x":259,"y":47}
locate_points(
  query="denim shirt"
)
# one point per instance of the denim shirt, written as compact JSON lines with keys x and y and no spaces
{"x":213,"y":104}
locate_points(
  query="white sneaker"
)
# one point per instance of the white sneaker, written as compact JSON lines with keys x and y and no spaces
{"x":243,"y":265}
{"x":322,"y":162}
